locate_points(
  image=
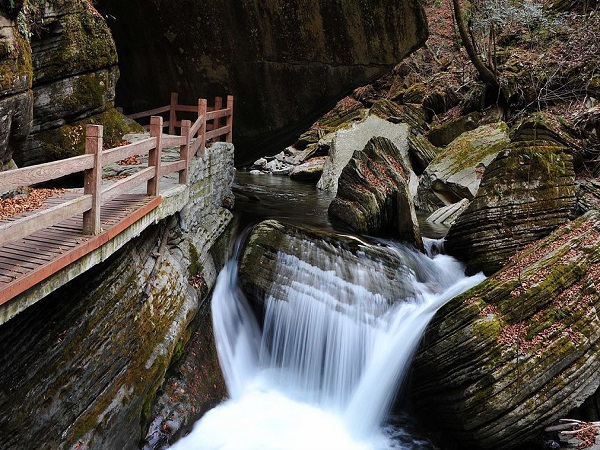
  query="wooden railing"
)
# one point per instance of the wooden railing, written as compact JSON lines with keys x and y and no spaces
{"x":191,"y":140}
{"x":215,"y":115}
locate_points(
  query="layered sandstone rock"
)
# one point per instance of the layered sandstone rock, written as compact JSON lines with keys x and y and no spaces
{"x":373,"y":195}
{"x":16,"y":75}
{"x":526,"y":192}
{"x":520,"y":350}
{"x":456,"y":172}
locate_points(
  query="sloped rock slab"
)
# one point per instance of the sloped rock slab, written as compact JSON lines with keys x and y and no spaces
{"x":526,"y":193}
{"x":344,"y":142}
{"x":373,"y":195}
{"x":448,"y":214}
{"x":519,"y":351}
{"x":456,"y":172}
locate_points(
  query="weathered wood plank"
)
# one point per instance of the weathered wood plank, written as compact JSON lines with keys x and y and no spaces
{"x":43,"y":219}
{"x":127,"y":184}
{"x":26,"y":176}
{"x":217,"y":133}
{"x":184,"y":151}
{"x":229,"y":137}
{"x":197,"y":126}
{"x":218,"y":114}
{"x":186,"y":108}
{"x":176,"y":166}
{"x":137,"y":148}
{"x":16,"y":287}
{"x":26,"y":254}
{"x":155,"y":155}
{"x":17,"y":264}
{"x":92,"y":184}
{"x":173,"y":141}
{"x":150,"y":112}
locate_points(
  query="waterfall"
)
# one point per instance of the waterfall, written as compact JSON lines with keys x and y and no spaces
{"x":334,"y":348}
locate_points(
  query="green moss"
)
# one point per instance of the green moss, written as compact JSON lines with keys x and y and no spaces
{"x":474,"y":146}
{"x":16,"y":70}
{"x":86,"y":44}
{"x":88,"y":92}
{"x":195,"y":264}
{"x":69,"y":140}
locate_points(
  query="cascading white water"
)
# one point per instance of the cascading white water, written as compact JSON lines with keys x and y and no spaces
{"x":334,"y":348}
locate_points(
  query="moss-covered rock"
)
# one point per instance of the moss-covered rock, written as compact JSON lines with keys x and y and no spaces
{"x":456,"y":172}
{"x":74,"y":63}
{"x":100,"y":352}
{"x":287,"y":60}
{"x":73,"y":39}
{"x":16,"y":75}
{"x":520,"y":350}
{"x":344,"y":142}
{"x":526,"y":192}
{"x":442,"y":134}
{"x":273,"y":246}
{"x":69,"y":140}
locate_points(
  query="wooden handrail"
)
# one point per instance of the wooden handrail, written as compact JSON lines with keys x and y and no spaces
{"x":26,"y":176}
{"x":209,"y":121}
{"x":91,"y":164}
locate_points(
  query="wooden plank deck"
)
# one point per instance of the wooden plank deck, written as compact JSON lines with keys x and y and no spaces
{"x":25,"y":262}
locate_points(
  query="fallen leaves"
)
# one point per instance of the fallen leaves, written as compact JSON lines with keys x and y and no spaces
{"x":32,"y":200}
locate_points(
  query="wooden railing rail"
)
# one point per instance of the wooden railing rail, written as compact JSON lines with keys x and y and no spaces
{"x":94,"y":194}
{"x":214,"y":117}
{"x":212,"y":123}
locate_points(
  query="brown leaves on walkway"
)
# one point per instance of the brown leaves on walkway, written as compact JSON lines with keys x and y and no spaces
{"x":32,"y":200}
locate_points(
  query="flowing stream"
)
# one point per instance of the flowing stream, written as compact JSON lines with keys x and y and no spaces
{"x":333,"y":350}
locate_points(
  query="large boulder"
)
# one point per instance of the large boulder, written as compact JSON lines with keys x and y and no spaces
{"x":520,"y":350}
{"x":285,"y":61}
{"x":456,"y":172}
{"x":526,"y":192}
{"x":343,"y":143}
{"x":373,"y":195}
{"x":274,"y":248}
{"x":16,"y":74}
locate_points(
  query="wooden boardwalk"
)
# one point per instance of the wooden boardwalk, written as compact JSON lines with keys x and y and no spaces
{"x":27,"y":261}
{"x":38,"y":244}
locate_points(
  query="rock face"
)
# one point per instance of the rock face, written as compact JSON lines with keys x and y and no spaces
{"x":520,"y":350}
{"x":526,"y":192}
{"x":272,"y":243}
{"x":343,"y":143}
{"x":373,"y":195}
{"x":74,"y":76}
{"x":82,"y":367}
{"x":16,"y":74}
{"x":285,"y":61}
{"x":456,"y":172}
{"x":311,"y":170}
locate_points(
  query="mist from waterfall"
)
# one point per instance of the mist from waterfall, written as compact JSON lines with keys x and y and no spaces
{"x":333,"y":351}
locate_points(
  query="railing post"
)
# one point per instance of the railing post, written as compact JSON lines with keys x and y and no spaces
{"x":218,"y":106}
{"x":173,"y":112}
{"x":230,"y":119}
{"x":92,"y":184}
{"x":184,"y":151}
{"x":202,"y":109}
{"x":154,"y":156}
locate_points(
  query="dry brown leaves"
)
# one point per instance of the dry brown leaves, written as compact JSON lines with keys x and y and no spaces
{"x":197,"y":282}
{"x":33,"y":200}
{"x":130,"y":161}
{"x":586,"y":433}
